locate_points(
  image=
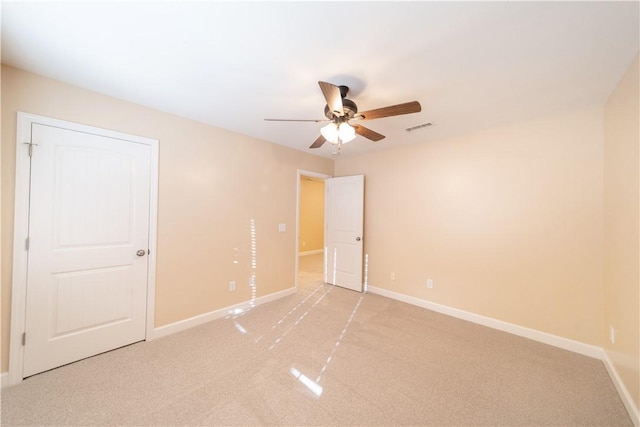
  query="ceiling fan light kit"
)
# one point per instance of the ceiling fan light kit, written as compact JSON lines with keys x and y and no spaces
{"x":334,"y":132}
{"x":339,"y":110}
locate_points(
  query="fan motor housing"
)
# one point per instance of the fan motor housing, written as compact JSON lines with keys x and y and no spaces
{"x":350,"y":109}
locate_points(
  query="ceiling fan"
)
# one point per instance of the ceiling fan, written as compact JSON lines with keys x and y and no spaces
{"x":340,"y":111}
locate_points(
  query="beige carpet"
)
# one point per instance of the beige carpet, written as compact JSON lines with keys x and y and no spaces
{"x":325,"y":356}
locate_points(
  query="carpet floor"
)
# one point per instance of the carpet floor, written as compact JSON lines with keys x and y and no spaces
{"x":325,"y":356}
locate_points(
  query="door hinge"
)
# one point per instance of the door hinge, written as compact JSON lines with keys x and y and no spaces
{"x":24,"y":338}
{"x":30,"y":144}
{"x":26,"y":244}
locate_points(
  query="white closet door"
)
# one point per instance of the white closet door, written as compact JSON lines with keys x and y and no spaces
{"x":88,"y":242}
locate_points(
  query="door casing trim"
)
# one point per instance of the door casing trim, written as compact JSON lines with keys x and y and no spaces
{"x":21,"y":228}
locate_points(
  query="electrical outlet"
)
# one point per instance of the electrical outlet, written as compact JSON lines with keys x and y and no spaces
{"x":612,"y":335}
{"x":393,"y":276}
{"x":232,"y":286}
{"x":430,"y":283}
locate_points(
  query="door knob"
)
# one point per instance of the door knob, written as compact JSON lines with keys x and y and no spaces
{"x":357,"y":239}
{"x":141,"y":252}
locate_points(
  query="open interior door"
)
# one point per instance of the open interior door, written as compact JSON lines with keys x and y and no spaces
{"x":344,"y":211}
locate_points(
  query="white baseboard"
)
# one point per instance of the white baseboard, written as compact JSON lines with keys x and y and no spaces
{"x":632,"y":409}
{"x":317,"y":251}
{"x":4,"y":379}
{"x":554,"y":340}
{"x":182,"y":325}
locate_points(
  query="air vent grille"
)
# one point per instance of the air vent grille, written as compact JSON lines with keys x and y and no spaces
{"x":424,"y":125}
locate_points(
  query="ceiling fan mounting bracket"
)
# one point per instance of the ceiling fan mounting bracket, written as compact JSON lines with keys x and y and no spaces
{"x":344,"y":90}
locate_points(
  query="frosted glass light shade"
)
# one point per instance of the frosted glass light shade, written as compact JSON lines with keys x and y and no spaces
{"x":335,"y":133}
{"x":330,"y":133}
{"x":346,"y":132}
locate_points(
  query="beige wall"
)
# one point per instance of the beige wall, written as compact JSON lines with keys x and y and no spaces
{"x":213,"y":184}
{"x":507,"y":222}
{"x":621,"y":225}
{"x":311,"y":215}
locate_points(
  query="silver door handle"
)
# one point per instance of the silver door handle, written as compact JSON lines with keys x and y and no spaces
{"x":141,"y":252}
{"x":357,"y":239}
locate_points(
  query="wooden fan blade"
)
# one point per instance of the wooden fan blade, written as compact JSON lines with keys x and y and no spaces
{"x":297,"y":120}
{"x":368,"y":133}
{"x":334,"y":99}
{"x":393,"y":110}
{"x":318,"y":142}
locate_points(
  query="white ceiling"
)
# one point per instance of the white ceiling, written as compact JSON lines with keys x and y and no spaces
{"x":471,"y":65}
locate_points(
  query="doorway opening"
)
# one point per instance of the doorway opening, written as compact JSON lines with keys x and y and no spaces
{"x":310,"y":229}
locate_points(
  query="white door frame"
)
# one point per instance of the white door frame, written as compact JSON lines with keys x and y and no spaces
{"x":21,"y":228}
{"x":300,"y":174}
